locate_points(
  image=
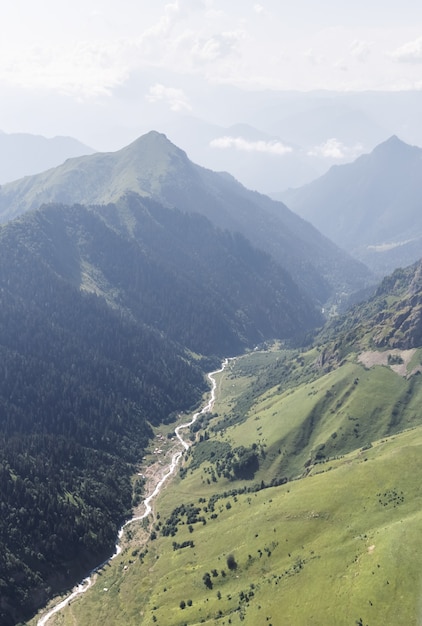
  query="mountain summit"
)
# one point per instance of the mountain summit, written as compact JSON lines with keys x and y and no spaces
{"x":371,"y":207}
{"x":153,"y":167}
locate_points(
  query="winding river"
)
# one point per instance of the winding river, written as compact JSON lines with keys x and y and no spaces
{"x":87,"y":582}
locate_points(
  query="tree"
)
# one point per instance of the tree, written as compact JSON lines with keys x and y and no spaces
{"x":231,"y":562}
{"x":207,"y":580}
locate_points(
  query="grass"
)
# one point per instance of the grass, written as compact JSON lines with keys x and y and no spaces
{"x":341,"y":546}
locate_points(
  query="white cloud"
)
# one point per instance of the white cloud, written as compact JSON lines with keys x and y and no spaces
{"x":239,"y":143}
{"x":410,"y":52}
{"x":175,"y":98}
{"x":313,"y":58}
{"x":360,"y":50}
{"x":218,"y":46}
{"x":90,"y":50}
{"x":341,"y":65}
{"x":164,"y":25}
{"x":335,"y":149}
{"x":86,"y":69}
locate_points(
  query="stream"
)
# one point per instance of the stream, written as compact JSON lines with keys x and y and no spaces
{"x":87,"y":582}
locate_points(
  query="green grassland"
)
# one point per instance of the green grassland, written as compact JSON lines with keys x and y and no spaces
{"x":301,"y":506}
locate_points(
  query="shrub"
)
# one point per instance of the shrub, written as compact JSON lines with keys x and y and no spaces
{"x":231,"y":562}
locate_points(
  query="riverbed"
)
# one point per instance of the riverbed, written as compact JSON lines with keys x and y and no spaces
{"x":89,"y":580}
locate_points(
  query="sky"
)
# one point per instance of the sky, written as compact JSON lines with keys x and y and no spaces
{"x":64,"y":62}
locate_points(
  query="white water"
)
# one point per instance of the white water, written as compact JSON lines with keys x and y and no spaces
{"x":87,"y":582}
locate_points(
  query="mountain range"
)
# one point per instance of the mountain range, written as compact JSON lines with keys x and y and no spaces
{"x":23,"y":154}
{"x":124,"y":277}
{"x":305,"y":475}
{"x":154,"y":167}
{"x":322,"y":128}
{"x":370,"y":207}
{"x":110,"y":314}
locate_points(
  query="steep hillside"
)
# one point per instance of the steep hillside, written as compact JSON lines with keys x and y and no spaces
{"x":155,"y":168}
{"x":371,"y":207}
{"x":305,"y":475}
{"x":22,"y":154}
{"x":105,"y":313}
{"x":390,"y":319}
{"x":208,"y":290}
{"x":234,"y":540}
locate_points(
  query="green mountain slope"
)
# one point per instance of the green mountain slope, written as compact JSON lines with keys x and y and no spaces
{"x":390,"y":319}
{"x":299,"y":502}
{"x":153,"y":167}
{"x":370,"y":207}
{"x":102,"y":312}
{"x":338,"y":546}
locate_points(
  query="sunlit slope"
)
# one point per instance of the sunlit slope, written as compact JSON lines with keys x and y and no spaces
{"x":155,"y":168}
{"x":338,"y":547}
{"x":343,"y":410}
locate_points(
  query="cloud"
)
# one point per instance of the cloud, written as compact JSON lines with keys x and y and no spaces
{"x":178,"y":35}
{"x":175,"y":12}
{"x":218,"y":46}
{"x":335,"y":149}
{"x":341,"y":65}
{"x":244,"y":145}
{"x":162,"y":28}
{"x":313,"y":58}
{"x":360,"y":50}
{"x":175,"y":98}
{"x":87,"y":69}
{"x":410,"y":52}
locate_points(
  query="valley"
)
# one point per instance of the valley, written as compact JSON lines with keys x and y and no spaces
{"x":330,"y":537}
{"x":210,"y":313}
{"x":124,"y":278}
{"x":154,"y":480}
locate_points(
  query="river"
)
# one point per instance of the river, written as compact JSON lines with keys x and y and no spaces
{"x":87,"y":582}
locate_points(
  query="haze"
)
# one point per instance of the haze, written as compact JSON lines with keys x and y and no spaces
{"x":106,"y":72}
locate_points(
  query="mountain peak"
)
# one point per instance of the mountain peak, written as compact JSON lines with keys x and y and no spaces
{"x":394,"y":141}
{"x":150,"y":155}
{"x":370,"y":207}
{"x":394,"y":145}
{"x":152,"y":136}
{"x":153,"y":140}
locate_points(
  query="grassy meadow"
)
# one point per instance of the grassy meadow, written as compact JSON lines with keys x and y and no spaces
{"x":301,"y":505}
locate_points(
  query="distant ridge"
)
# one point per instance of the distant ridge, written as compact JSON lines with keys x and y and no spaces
{"x":371,"y":207}
{"x":23,"y":154}
{"x":154,"y":167}
{"x":109,"y":318}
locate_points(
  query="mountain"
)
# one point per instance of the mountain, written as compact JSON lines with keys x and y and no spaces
{"x":390,"y":319}
{"x":22,"y":154}
{"x":305,"y":475}
{"x":370,"y":207}
{"x":323,"y":118}
{"x":109,"y":317}
{"x":154,"y":167}
{"x":259,"y":160}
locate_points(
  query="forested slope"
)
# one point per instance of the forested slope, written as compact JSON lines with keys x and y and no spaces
{"x":102,"y":309}
{"x":155,"y":168}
